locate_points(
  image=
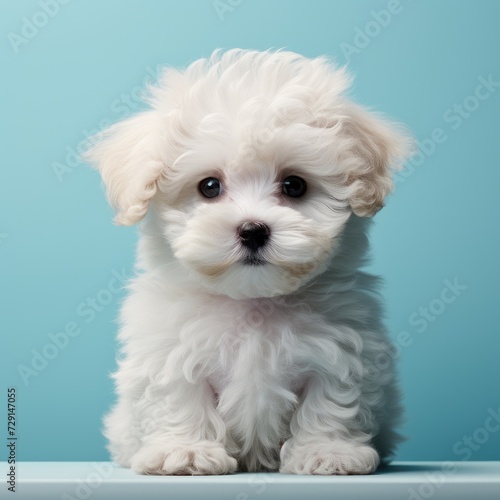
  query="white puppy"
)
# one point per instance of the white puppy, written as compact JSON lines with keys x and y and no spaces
{"x":251,"y":339}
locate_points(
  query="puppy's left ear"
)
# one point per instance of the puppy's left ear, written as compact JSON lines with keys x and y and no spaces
{"x":377,"y":149}
{"x":124,"y":154}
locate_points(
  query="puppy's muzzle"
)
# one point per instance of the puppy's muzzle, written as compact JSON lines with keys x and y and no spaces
{"x":254,"y":235}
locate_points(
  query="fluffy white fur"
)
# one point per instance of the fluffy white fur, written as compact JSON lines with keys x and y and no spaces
{"x":225,"y":365}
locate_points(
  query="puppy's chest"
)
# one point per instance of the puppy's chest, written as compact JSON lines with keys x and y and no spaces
{"x":257,"y":349}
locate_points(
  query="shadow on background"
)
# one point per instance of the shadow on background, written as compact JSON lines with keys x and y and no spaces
{"x":405,"y":468}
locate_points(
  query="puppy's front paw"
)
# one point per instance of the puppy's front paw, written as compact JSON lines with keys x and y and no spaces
{"x":332,"y":458}
{"x":202,"y":458}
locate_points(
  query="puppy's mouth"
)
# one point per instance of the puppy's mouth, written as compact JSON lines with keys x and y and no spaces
{"x":253,"y":260}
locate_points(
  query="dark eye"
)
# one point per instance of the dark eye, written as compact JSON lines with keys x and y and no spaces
{"x":210,"y":187}
{"x":294,"y":186}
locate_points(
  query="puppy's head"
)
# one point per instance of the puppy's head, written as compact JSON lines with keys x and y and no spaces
{"x":254,"y":162}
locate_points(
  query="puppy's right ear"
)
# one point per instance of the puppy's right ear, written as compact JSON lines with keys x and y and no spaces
{"x":124,"y":154}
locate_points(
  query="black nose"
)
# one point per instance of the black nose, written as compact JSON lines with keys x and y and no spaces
{"x":253,"y":235}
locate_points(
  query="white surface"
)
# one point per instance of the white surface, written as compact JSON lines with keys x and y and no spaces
{"x":401,"y":480}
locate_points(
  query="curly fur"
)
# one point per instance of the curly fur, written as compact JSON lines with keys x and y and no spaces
{"x":226,"y":365}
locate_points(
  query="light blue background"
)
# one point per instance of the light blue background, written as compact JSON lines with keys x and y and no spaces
{"x":58,"y":246}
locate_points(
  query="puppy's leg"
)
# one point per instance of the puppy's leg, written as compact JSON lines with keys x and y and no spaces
{"x":182,"y":432}
{"x":327,"y":436}
{"x":122,"y":431}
